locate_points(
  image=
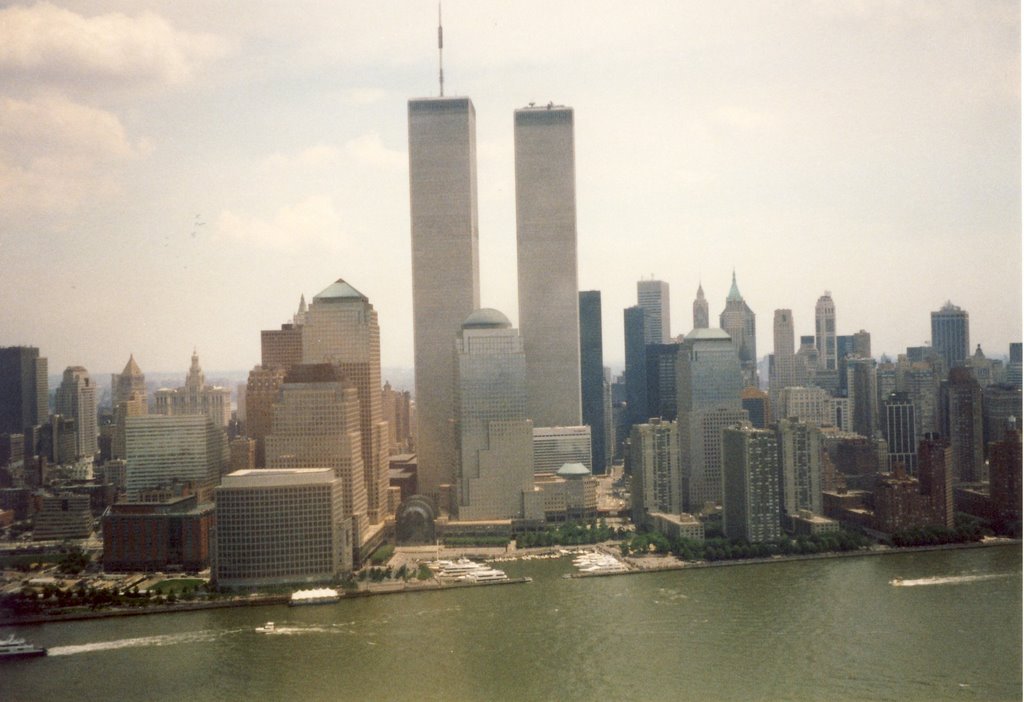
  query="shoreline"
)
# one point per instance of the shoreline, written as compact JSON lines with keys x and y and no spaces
{"x":638,"y":565}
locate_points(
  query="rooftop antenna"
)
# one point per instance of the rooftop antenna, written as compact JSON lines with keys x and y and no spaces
{"x":440,"y":50}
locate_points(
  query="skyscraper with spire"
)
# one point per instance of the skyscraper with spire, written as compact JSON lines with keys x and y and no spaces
{"x":701,"y":320}
{"x":445,"y":266}
{"x":825,"y":333}
{"x":195,"y":397}
{"x":545,"y":157}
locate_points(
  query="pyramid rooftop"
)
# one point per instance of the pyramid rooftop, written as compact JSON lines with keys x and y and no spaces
{"x":339,"y":290}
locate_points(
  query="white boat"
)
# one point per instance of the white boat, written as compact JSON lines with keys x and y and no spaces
{"x":486,"y":575}
{"x":12,"y":647}
{"x":322,"y":595}
{"x":267,"y":628}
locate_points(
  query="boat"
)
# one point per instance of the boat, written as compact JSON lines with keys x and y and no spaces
{"x":267,"y":628}
{"x":12,"y":647}
{"x":486,"y":575}
{"x":323,"y":595}
{"x":897,"y":581}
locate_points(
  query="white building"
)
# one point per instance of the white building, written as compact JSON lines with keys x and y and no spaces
{"x":195,"y":397}
{"x":280,"y":526}
{"x":76,"y":399}
{"x":825,"y":332}
{"x":553,"y":447}
{"x":545,"y":162}
{"x":652,"y":297}
{"x":182,"y":449}
{"x":654,"y":464}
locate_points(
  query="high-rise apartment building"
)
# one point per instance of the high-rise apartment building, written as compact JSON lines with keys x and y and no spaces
{"x":951,"y":334}
{"x":341,"y":329}
{"x":76,"y":399}
{"x":24,"y":389}
{"x":1005,"y":476}
{"x":652,"y":297}
{"x":862,"y":384}
{"x":545,"y":157}
{"x":592,"y":382}
{"x":445,"y":268}
{"x":661,"y":380}
{"x":825,"y":332}
{"x":701,"y":318}
{"x":495,"y":437}
{"x":800,"y":466}
{"x":655,"y":469}
{"x":189,"y":450}
{"x":750,"y":484}
{"x":281,"y":526}
{"x":316,"y":422}
{"x":195,"y":397}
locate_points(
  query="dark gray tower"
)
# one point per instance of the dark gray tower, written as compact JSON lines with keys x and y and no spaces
{"x":592,"y":377}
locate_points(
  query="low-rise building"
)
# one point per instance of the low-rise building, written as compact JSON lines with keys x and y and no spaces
{"x":65,"y":516}
{"x":677,"y":526}
{"x":152,"y":536}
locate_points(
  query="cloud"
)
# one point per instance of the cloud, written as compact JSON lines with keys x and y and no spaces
{"x":312,"y":222}
{"x":317,"y":156}
{"x":54,"y":153}
{"x":55,"y":45}
{"x":365,"y":96}
{"x":368,"y":150}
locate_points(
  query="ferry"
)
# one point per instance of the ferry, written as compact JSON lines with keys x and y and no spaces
{"x":486,"y":575}
{"x":17,"y":648}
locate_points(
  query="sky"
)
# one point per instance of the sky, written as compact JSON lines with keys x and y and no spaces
{"x":173,"y":175}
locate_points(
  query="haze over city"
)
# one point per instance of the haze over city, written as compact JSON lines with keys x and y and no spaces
{"x":180,"y":179}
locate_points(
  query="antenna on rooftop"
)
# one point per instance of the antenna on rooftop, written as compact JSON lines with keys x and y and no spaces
{"x":440,"y":50}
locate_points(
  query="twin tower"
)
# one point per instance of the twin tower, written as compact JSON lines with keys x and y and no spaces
{"x":445,"y":265}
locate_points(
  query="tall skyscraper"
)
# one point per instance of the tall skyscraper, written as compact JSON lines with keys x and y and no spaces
{"x":445,"y":268}
{"x":592,"y":382}
{"x":951,"y":334}
{"x":76,"y":399}
{"x":862,"y":383}
{"x":495,"y":437}
{"x":24,"y":389}
{"x":901,"y":432}
{"x":635,"y":327}
{"x":825,"y":332}
{"x":783,"y":365}
{"x":701,"y":319}
{"x":341,"y":329}
{"x":738,"y":321}
{"x":965,"y":428}
{"x":750,"y":484}
{"x":661,"y":373}
{"x":709,"y":384}
{"x":652,"y":296}
{"x":545,"y":158}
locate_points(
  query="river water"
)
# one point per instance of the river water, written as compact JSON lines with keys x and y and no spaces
{"x":833,"y":629}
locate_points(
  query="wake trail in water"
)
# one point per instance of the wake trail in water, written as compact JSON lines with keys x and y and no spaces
{"x":948,"y":580}
{"x":140,"y":642}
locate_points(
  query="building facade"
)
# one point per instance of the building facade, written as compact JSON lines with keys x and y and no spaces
{"x":445,"y":268}
{"x":592,"y":380}
{"x":76,"y":399}
{"x":750,"y":484}
{"x":163,"y":450}
{"x":825,"y":332}
{"x":652,"y":296}
{"x":545,"y":163}
{"x":655,"y":469}
{"x":951,"y":334}
{"x":195,"y":397}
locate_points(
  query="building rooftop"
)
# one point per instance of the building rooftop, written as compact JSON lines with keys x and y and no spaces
{"x":707,"y":333}
{"x":573,"y":470}
{"x":487,"y":318}
{"x":339,"y":291}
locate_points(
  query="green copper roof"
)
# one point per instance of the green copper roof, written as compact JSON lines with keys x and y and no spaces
{"x":569,"y":470}
{"x":734,"y":292}
{"x":339,"y":290}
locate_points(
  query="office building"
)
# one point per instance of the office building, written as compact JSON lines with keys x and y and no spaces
{"x":76,"y":400}
{"x":654,"y":464}
{"x":862,"y":384}
{"x":24,"y":390}
{"x":1005,"y":476}
{"x":131,"y":382}
{"x":825,"y":332}
{"x":812,"y":405}
{"x":901,"y":432}
{"x":316,"y":423}
{"x":635,"y":327}
{"x":161,"y":451}
{"x":999,"y":404}
{"x":800,"y":467}
{"x":709,"y":384}
{"x":701,"y":318}
{"x":261,"y":392}
{"x":757,"y":406}
{"x":661,"y":380}
{"x":64,"y":516}
{"x":553,"y":447}
{"x":341,"y":329}
{"x":1013,"y":368}
{"x":951,"y":334}
{"x":281,"y":526}
{"x":158,"y":536}
{"x":445,"y":268}
{"x":495,"y":437}
{"x":195,"y":397}
{"x":545,"y":162}
{"x":652,"y":297}
{"x":738,"y":321}
{"x":569,"y":494}
{"x":592,"y":380}
{"x":936,"y":478}
{"x":750,"y":484}
{"x":282,"y":348}
{"x":962,"y":404}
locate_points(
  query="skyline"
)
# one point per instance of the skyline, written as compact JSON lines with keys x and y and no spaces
{"x":181,"y":187}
